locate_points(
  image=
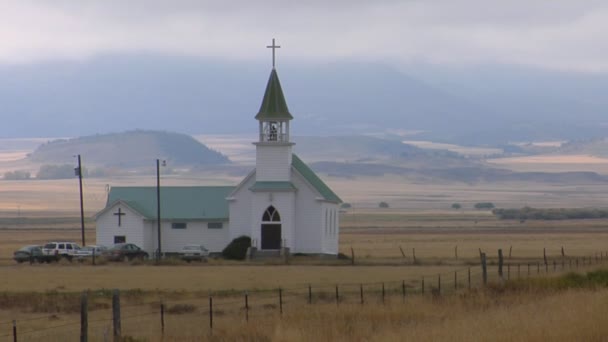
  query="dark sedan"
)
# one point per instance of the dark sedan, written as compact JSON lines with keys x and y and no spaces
{"x":126,"y":251}
{"x":28,"y":254}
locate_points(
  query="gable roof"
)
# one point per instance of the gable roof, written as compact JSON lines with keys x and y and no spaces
{"x":274,"y":105}
{"x":176,"y":203}
{"x":314,"y":180}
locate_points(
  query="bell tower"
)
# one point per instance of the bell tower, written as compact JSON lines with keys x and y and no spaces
{"x":273,"y":148}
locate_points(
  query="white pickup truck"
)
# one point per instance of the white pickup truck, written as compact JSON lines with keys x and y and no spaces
{"x":60,"y":250}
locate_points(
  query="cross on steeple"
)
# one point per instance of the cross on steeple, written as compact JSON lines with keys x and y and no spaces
{"x":120,"y":214}
{"x":273,"y":47}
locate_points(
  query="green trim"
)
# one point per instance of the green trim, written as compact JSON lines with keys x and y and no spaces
{"x":314,"y":180}
{"x":274,"y":106}
{"x":273,"y":186}
{"x":177,"y":203}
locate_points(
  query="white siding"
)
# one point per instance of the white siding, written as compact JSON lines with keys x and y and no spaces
{"x":309,"y":218}
{"x":240,"y":210}
{"x":273,"y":163}
{"x":196,"y":232}
{"x":132,"y":226}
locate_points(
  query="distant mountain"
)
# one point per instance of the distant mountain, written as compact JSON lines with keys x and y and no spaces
{"x":129,"y":150}
{"x":595,"y":147}
{"x":475,"y":106}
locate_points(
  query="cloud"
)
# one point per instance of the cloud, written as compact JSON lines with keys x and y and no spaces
{"x":557,"y":34}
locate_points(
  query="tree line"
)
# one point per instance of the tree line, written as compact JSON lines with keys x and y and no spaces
{"x":528,"y":213}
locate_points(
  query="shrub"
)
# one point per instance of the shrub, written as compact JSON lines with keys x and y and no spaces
{"x":456,"y":206}
{"x":484,"y":205}
{"x":17,"y":175}
{"x":383,"y":205}
{"x":179,"y":309}
{"x":237,"y":248}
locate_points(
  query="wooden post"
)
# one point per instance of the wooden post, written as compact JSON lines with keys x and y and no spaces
{"x":456,"y":252}
{"x":361,"y":292}
{"x":414,"y":254}
{"x":500,"y":263}
{"x":281,"y":301}
{"x":116,"y":315}
{"x":480,"y":254}
{"x":469,"y":278}
{"x":14,"y":330}
{"x":438,"y":283}
{"x":563,"y":253}
{"x":309,"y":294}
{"x":246,"y":306}
{"x":422,"y":285}
{"x":162,"y":317}
{"x":510,"y":250}
{"x":352,"y":256}
{"x":402,"y":252}
{"x":84,"y":319}
{"x":546,"y":268}
{"x":403,"y":289}
{"x":210,"y":313}
{"x":545,"y":255}
{"x":484,"y":269}
{"x":383,"y":293}
{"x":337,"y":296}
{"x":455,"y":280}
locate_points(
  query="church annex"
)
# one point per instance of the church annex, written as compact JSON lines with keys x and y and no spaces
{"x":282,"y":203}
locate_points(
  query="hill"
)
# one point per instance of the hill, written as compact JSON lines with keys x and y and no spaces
{"x":129,"y":150}
{"x":594,"y":147}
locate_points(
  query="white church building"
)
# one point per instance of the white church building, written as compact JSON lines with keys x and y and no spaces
{"x":281,"y":204}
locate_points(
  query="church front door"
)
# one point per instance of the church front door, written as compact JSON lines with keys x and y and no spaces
{"x":271,"y":236}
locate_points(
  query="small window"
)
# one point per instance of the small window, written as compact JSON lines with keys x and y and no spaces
{"x":178,"y":225}
{"x":120,"y":239}
{"x":215,"y":225}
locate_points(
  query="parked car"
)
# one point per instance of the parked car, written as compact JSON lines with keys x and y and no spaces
{"x":60,"y":249}
{"x":126,"y":251}
{"x":31,"y":253}
{"x":194,"y":252}
{"x":87,"y":251}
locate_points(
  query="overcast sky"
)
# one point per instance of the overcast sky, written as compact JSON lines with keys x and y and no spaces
{"x":554,"y":34}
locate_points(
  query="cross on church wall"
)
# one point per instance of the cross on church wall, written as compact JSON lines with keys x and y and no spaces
{"x":273,"y":47}
{"x":120,"y":214}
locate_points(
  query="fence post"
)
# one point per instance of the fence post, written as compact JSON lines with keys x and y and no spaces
{"x":545,"y":255}
{"x":116,"y":315}
{"x":438,"y":283}
{"x":422,"y":285}
{"x":456,"y":252}
{"x":309,"y":294}
{"x":455,"y":280}
{"x":500,"y":263}
{"x":361,"y":293}
{"x":337,"y":296}
{"x":510,"y":250}
{"x":469,"y":278}
{"x":14,"y":330}
{"x":402,"y":252}
{"x":546,"y":268}
{"x":211,"y":313}
{"x":246,"y":306}
{"x":383,"y":293}
{"x":281,"y":301}
{"x":403,"y":289}
{"x":484,"y":269}
{"x":84,"y":319}
{"x":162,"y":317}
{"x":352,"y":256}
{"x":563,"y":253}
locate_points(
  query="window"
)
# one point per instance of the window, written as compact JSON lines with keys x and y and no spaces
{"x":215,"y":225}
{"x":120,"y":239}
{"x":178,"y":225}
{"x":271,"y":215}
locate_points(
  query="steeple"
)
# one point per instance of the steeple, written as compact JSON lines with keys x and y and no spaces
{"x":274,"y":106}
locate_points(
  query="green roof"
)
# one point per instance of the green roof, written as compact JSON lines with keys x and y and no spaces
{"x":314,"y":180}
{"x":176,"y":203}
{"x":274,"y":106}
{"x":273,"y":186}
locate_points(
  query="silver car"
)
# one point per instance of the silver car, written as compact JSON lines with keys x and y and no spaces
{"x":87,"y":251}
{"x":194,"y":252}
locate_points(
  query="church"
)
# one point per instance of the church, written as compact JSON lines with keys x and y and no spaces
{"x":282,"y":205}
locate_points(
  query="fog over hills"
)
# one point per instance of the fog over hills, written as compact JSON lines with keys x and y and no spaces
{"x":479,"y":106}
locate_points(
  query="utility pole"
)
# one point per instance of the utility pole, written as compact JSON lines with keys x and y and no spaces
{"x":158,"y":208}
{"x":79,"y":174}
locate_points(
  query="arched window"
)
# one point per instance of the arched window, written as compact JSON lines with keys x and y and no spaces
{"x":271,"y":215}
